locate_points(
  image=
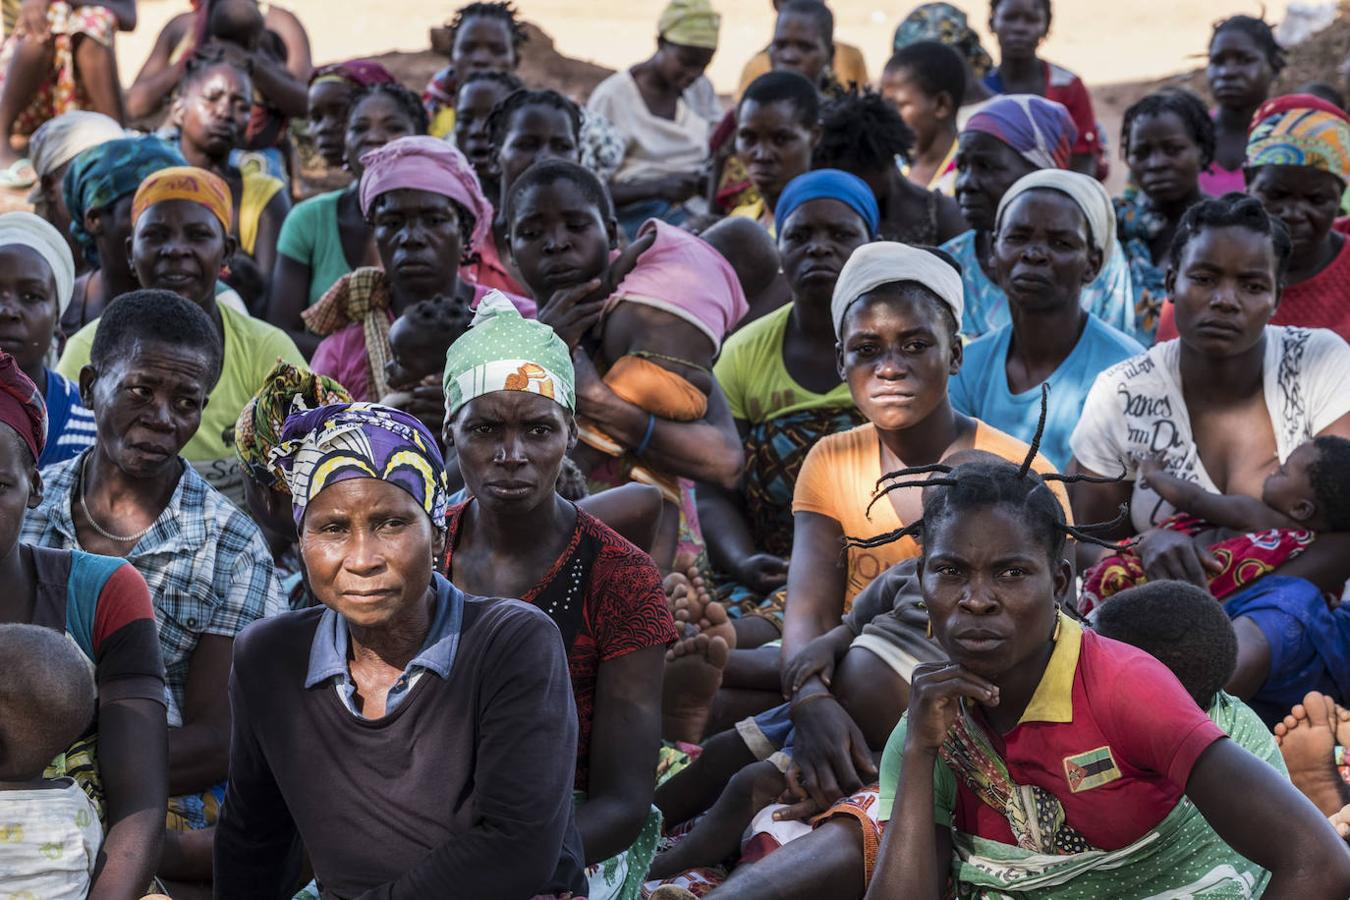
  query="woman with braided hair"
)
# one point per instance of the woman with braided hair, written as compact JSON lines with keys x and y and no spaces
{"x":1030,"y":742}
{"x":895,"y":310}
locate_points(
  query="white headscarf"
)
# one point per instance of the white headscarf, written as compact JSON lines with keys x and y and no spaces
{"x":65,"y":137}
{"x":28,"y":230}
{"x":1086,"y":192}
{"x":884,"y":262}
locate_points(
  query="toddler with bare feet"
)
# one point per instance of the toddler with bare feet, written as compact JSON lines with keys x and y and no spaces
{"x":49,"y":831}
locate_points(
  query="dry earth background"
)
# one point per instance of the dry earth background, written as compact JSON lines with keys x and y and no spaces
{"x":1121,"y":48}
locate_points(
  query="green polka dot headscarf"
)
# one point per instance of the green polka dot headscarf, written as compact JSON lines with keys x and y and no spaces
{"x":503,"y":351}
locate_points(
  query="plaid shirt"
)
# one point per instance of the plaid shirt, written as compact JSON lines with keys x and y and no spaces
{"x":207,"y":566}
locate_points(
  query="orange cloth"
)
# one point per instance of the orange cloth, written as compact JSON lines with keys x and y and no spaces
{"x":848,"y":67}
{"x":660,"y":392}
{"x":838,"y":480}
{"x":657,"y":390}
{"x":186,"y":183}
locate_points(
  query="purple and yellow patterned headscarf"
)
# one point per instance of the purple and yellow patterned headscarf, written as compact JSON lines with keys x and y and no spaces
{"x":1040,"y":130}
{"x":1300,"y":130}
{"x":334,"y":443}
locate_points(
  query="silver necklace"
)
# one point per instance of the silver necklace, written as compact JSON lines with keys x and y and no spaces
{"x":121,"y":539}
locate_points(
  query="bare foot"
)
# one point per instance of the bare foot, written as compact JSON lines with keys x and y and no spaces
{"x":1307,"y":743}
{"x":693,"y":675}
{"x":1341,"y":820}
{"x":673,"y":892}
{"x":1342,"y":726}
{"x":678,"y":593}
{"x":691,"y":602}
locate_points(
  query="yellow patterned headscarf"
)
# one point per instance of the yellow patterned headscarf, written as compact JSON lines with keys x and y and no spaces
{"x":1300,"y":130}
{"x":690,"y":23}
{"x":287,"y":389}
{"x":186,"y":183}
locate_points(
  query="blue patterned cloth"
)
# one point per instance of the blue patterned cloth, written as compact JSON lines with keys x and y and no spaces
{"x":70,"y":426}
{"x":1137,"y":224}
{"x":205,"y":562}
{"x":1110,"y":297}
{"x":1309,"y":642}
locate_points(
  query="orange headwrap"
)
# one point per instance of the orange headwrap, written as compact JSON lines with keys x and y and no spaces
{"x":185,"y":183}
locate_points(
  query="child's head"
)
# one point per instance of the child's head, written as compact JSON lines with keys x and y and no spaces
{"x":752,"y":253}
{"x":1167,"y":139}
{"x":1181,"y":626}
{"x":237,"y":21}
{"x":803,"y":39}
{"x":380,"y":113}
{"x":1020,"y":26}
{"x":1325,"y":91}
{"x":420,"y":338}
{"x":486,"y":37}
{"x":925,"y":82}
{"x":863,"y":135}
{"x":1244,"y":59}
{"x":777,"y":127}
{"x":1312,"y":486}
{"x":560,"y":226}
{"x":477,"y":96}
{"x":571,"y":481}
{"x":46,"y":699}
{"x":533,"y":126}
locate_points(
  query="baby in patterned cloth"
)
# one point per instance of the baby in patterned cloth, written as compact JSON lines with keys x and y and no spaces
{"x":1308,"y":491}
{"x":49,"y":831}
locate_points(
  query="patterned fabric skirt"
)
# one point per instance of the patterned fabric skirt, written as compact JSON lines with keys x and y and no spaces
{"x":60,"y":92}
{"x":775,"y":451}
{"x":1245,"y":558}
{"x":193,"y":812}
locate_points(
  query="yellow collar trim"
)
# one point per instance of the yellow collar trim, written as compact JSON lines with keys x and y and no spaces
{"x":1053,"y":700}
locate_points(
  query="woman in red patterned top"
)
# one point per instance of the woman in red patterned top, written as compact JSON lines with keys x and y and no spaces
{"x":511,"y":422}
{"x":1020,"y":26}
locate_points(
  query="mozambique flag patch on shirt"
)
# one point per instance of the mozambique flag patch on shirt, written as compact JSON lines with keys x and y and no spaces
{"x":1094,"y":768}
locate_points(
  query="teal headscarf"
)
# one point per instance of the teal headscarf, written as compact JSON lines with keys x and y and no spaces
{"x":102,"y":175}
{"x":503,"y":351}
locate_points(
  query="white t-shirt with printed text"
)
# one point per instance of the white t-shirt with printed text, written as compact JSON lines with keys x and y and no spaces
{"x":1136,"y":409}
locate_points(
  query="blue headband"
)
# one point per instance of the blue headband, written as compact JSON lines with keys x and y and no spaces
{"x":829,"y":184}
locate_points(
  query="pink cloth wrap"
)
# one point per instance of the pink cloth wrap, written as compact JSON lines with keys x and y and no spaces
{"x":423,"y":163}
{"x":685,"y":276}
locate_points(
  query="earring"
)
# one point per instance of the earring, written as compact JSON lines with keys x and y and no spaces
{"x":929,"y":629}
{"x":1058,"y":621}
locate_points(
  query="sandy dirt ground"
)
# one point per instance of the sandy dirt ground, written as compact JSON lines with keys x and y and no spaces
{"x":1114,"y":45}
{"x":1104,"y":41}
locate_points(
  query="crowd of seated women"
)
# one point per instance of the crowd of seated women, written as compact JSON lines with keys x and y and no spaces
{"x":832,"y":495}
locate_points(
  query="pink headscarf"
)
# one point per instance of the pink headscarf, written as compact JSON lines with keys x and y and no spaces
{"x":423,"y":163}
{"x":685,"y":276}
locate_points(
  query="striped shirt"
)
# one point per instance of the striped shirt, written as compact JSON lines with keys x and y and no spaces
{"x":205,"y":562}
{"x":70,"y":426}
